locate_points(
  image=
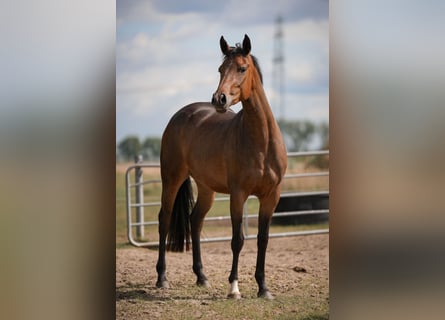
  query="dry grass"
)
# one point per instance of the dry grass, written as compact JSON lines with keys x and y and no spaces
{"x":296,"y":271}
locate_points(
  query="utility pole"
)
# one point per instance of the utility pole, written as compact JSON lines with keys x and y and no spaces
{"x":278,"y":68}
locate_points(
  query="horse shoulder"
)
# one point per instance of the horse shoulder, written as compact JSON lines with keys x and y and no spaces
{"x":277,"y":157}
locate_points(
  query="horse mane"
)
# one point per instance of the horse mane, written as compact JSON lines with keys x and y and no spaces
{"x":239,"y":50}
{"x":257,"y":67}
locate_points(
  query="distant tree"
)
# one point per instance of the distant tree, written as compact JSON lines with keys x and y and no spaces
{"x":151,"y":148}
{"x":321,"y":161}
{"x":297,"y":134}
{"x":323,"y":132}
{"x":129,"y":147}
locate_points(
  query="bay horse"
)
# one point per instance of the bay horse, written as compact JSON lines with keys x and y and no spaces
{"x":239,"y":154}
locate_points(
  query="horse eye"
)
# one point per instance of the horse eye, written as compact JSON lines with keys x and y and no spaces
{"x":242,"y":69}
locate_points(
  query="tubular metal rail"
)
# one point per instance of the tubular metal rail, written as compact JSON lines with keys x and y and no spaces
{"x":139,"y":204}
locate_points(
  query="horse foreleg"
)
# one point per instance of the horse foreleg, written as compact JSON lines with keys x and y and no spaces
{"x":203,"y":204}
{"x":236,"y":213}
{"x":267,"y":206}
{"x":237,"y":245}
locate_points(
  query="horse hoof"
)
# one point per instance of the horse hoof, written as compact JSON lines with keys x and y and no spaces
{"x":163,"y":284}
{"x":266,"y":295}
{"x":234,"y":295}
{"x":203,"y":283}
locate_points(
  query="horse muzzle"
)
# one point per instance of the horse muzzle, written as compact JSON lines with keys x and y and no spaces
{"x":219,"y":101}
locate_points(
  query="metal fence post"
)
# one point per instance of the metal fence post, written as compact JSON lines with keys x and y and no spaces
{"x":139,"y":197}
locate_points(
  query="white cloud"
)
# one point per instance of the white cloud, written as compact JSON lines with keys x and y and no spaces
{"x":136,"y":49}
{"x":306,"y":56}
{"x":314,"y":107}
{"x":158,"y":79}
{"x":137,"y":10}
{"x":158,"y":92}
{"x":309,"y":30}
{"x":229,"y":12}
{"x":302,"y":72}
{"x":167,"y":59}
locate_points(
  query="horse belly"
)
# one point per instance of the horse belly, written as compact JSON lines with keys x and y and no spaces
{"x":217,"y":181}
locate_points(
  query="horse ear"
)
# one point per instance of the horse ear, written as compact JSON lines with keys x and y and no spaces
{"x":224,"y":46}
{"x":246,"y":45}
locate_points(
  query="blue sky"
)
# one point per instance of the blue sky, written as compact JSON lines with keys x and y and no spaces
{"x":167,"y":56}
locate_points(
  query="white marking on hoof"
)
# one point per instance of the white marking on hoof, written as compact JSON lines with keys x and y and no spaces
{"x":234,"y":291}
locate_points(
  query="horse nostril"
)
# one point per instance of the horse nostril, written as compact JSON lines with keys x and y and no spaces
{"x":213,"y":100}
{"x":222,"y":99}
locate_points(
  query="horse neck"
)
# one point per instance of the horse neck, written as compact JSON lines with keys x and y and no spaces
{"x":258,"y":119}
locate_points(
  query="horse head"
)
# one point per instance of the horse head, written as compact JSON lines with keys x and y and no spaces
{"x":236,"y":75}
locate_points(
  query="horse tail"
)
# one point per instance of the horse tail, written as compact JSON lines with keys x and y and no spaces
{"x":180,"y":221}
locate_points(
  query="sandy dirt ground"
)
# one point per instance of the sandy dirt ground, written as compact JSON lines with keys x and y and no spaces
{"x":297,"y":274}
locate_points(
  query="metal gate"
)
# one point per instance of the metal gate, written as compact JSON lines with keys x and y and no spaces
{"x":135,"y":203}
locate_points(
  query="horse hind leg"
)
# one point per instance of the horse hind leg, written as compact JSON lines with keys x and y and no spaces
{"x":169,"y":193}
{"x":203,"y":205}
{"x":164,"y":221}
{"x":262,"y":240}
{"x":267,"y":206}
